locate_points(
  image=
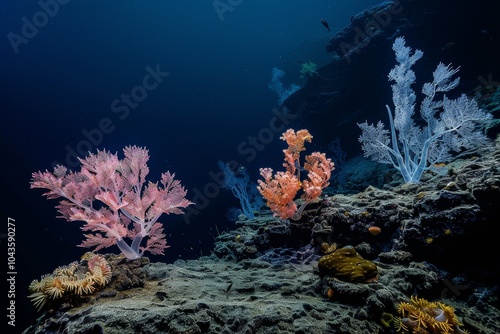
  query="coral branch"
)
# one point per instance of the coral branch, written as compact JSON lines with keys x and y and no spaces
{"x":280,"y":189}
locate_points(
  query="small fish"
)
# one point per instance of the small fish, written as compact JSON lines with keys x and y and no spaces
{"x":229,"y":287}
{"x":323,"y":21}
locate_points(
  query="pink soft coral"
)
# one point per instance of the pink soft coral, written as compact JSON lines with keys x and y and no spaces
{"x":109,"y":194}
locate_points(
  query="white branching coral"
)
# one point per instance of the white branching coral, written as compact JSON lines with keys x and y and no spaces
{"x":451,"y":124}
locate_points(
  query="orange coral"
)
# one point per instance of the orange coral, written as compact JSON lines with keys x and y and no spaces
{"x":319,"y":172}
{"x":295,"y":143}
{"x":280,"y":190}
{"x":295,"y":140}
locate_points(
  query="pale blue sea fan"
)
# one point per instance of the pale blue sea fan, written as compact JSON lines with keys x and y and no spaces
{"x":277,"y":86}
{"x":242,"y":188}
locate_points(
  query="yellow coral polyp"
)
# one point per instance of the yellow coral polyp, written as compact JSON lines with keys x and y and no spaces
{"x":68,"y":270}
{"x":399,"y":325}
{"x":55,"y":289}
{"x":67,"y":280}
{"x":39,"y":299}
{"x":425,"y":317}
{"x":386,"y":319}
{"x":39,"y":286}
{"x":86,"y":287}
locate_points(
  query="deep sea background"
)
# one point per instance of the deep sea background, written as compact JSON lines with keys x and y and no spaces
{"x":62,"y":82}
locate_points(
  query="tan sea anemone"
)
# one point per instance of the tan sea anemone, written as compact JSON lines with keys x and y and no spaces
{"x":74,"y":280}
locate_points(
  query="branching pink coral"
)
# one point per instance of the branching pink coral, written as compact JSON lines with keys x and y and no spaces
{"x":109,"y":194}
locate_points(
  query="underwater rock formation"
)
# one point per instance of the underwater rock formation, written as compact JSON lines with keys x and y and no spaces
{"x":353,"y":88}
{"x":263,"y":276}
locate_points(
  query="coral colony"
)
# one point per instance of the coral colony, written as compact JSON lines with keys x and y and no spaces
{"x":451,"y":123}
{"x":109,"y":194}
{"x":71,"y":281}
{"x":280,"y":189}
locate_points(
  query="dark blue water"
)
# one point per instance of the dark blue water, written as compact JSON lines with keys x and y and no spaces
{"x":186,"y":79}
